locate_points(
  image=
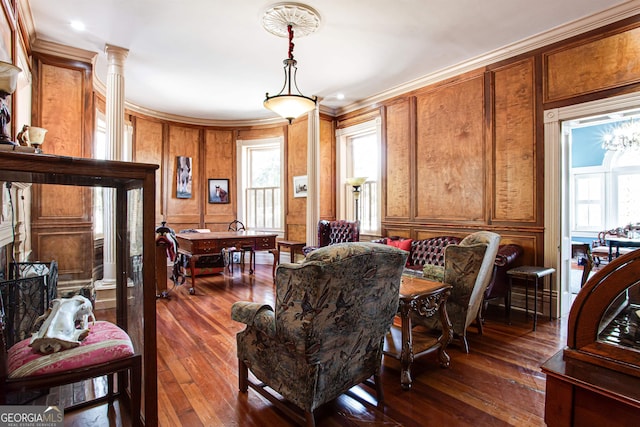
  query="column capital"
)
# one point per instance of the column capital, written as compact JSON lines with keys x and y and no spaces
{"x":116,"y":54}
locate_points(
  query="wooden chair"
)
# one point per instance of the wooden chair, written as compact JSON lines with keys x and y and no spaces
{"x":107,"y":350}
{"x":237,"y":225}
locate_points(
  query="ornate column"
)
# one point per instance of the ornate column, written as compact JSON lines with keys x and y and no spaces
{"x":105,"y":288}
{"x":313,"y":175}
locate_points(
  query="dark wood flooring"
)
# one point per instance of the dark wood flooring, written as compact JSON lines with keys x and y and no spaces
{"x":498,"y":384}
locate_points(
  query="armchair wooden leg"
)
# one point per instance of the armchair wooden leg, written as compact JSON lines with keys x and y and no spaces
{"x":243,"y":375}
{"x":311,"y":422}
{"x":379,"y":391}
{"x":465,"y":344}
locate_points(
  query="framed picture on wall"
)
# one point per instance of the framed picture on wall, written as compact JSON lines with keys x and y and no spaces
{"x":300,"y":186}
{"x":184,"y":177}
{"x":218,"y":191}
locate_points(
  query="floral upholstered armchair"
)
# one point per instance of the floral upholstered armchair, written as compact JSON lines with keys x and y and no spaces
{"x":468,"y":267}
{"x":326,"y":332}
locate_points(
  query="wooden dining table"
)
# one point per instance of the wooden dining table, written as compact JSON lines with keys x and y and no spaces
{"x":423,"y":298}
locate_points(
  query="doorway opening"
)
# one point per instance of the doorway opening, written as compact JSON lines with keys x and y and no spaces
{"x":587,"y":187}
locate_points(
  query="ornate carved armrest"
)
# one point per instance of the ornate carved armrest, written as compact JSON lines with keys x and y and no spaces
{"x":256,"y":315}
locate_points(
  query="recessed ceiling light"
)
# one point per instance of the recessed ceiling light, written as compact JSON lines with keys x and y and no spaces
{"x":77,"y":25}
{"x":340,"y":96}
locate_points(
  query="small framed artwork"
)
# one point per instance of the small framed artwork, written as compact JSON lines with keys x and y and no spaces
{"x":300,"y":186}
{"x":183,"y":176}
{"x":218,"y":191}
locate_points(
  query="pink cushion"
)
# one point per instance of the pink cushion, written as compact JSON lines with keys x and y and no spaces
{"x":104,"y":343}
{"x":404,"y":244}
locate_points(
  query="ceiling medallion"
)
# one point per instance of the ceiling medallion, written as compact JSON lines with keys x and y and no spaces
{"x":304,"y":19}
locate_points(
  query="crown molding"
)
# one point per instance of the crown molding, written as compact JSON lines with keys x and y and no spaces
{"x":563,"y":32}
{"x":63,"y":51}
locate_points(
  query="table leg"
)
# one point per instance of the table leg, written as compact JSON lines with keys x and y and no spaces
{"x":550,"y":295}
{"x":406,"y":354}
{"x":192,"y":268}
{"x":526,"y":299}
{"x":292,"y":255}
{"x":447,"y":334}
{"x":610,"y":251}
{"x":276,"y":261}
{"x":535,"y":302}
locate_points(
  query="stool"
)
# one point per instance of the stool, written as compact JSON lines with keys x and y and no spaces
{"x":292,"y":246}
{"x":533,"y":273}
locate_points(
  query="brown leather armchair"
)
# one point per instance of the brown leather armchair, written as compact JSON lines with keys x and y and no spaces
{"x":499,"y":285}
{"x":332,"y":232}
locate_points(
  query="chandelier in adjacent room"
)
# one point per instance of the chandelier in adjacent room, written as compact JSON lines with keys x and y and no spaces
{"x":623,"y":137}
{"x":283,"y":19}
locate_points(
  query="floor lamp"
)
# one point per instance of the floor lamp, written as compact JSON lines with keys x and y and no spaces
{"x":356,"y":183}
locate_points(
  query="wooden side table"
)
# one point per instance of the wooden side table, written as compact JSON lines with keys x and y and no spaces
{"x":532,"y":273}
{"x":423,"y":298}
{"x":292,"y":246}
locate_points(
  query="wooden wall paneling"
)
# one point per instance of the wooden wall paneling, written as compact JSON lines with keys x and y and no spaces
{"x":62,"y":216}
{"x":611,"y":64}
{"x":72,"y":249}
{"x":398,"y":156}
{"x":450,"y":152}
{"x":184,"y":141}
{"x":147,"y":148}
{"x":327,"y":168}
{"x":515,"y":177}
{"x":427,"y":232}
{"x":220,"y":163}
{"x":296,"y":166}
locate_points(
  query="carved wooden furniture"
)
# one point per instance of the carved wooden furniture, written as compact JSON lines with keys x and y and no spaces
{"x":196,"y":245}
{"x":425,"y":298}
{"x":326,"y":330}
{"x":532,"y":274}
{"x":332,"y":232}
{"x":133,"y":186}
{"x":595,"y":380}
{"x":621,"y":242}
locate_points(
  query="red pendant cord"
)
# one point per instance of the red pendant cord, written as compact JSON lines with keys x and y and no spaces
{"x":290,"y":29}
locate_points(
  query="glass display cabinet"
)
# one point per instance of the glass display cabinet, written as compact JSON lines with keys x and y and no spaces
{"x":133,"y":186}
{"x":595,"y":379}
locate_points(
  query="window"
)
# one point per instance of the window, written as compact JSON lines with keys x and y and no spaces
{"x":261,"y":184}
{"x":359,"y":156}
{"x":589,"y":201}
{"x":604,"y":182}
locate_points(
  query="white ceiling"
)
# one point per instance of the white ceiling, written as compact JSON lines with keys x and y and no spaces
{"x":211,"y":59}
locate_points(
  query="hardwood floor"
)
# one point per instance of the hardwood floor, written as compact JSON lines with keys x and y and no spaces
{"x":499,"y":383}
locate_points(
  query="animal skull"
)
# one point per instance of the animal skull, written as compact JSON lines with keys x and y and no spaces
{"x":59,"y":332}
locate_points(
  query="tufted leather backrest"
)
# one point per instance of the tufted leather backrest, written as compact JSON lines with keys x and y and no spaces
{"x":340,"y":231}
{"x":431,"y":251}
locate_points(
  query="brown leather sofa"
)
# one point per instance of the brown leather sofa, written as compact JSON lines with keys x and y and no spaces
{"x":425,"y":251}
